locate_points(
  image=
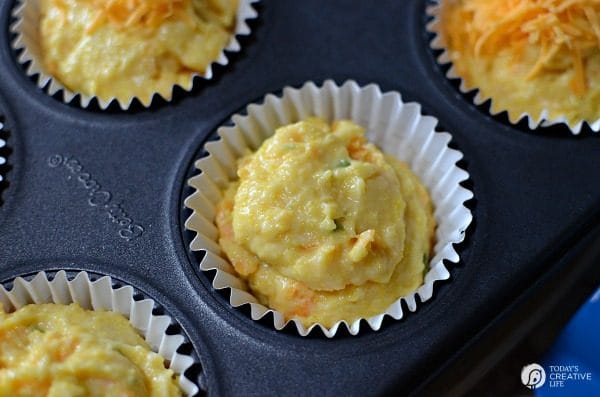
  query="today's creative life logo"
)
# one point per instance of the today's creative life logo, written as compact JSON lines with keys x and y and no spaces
{"x":533,"y":376}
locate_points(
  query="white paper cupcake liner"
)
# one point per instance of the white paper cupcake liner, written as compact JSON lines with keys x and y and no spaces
{"x":533,"y":122}
{"x":100,"y":295}
{"x":396,"y":127}
{"x":2,"y":146}
{"x":26,"y":28}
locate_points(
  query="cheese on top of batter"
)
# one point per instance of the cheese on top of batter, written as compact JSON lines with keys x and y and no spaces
{"x":529,"y":55}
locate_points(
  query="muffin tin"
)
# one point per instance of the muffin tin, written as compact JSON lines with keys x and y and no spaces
{"x":536,"y":193}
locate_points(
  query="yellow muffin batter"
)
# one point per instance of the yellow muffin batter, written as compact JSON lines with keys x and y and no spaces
{"x":528,"y":55}
{"x":325,"y":227}
{"x":127,"y":48}
{"x":65,"y":351}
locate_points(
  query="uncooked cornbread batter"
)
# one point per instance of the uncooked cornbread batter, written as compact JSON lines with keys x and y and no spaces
{"x":324,"y":226}
{"x":65,"y":351}
{"x":132,"y":48}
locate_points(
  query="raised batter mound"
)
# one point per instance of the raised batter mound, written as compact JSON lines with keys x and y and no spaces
{"x":324,"y":226}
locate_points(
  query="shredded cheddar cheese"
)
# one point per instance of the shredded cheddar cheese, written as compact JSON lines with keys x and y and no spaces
{"x":129,"y":13}
{"x":564,"y":31}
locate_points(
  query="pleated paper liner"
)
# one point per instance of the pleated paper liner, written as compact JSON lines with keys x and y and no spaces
{"x":4,"y":158}
{"x":101,"y":295}
{"x":2,"y":152}
{"x":26,"y":29}
{"x":396,"y":127}
{"x":533,"y":121}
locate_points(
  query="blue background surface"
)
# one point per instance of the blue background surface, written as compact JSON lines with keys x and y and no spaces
{"x":578,"y":344}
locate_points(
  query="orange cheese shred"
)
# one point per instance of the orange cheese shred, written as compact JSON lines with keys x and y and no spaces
{"x":561,"y":29}
{"x":132,"y":13}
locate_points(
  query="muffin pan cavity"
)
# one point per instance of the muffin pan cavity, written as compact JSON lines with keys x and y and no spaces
{"x":102,"y":293}
{"x":396,"y":127}
{"x":533,"y":121}
{"x":26,"y":29}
